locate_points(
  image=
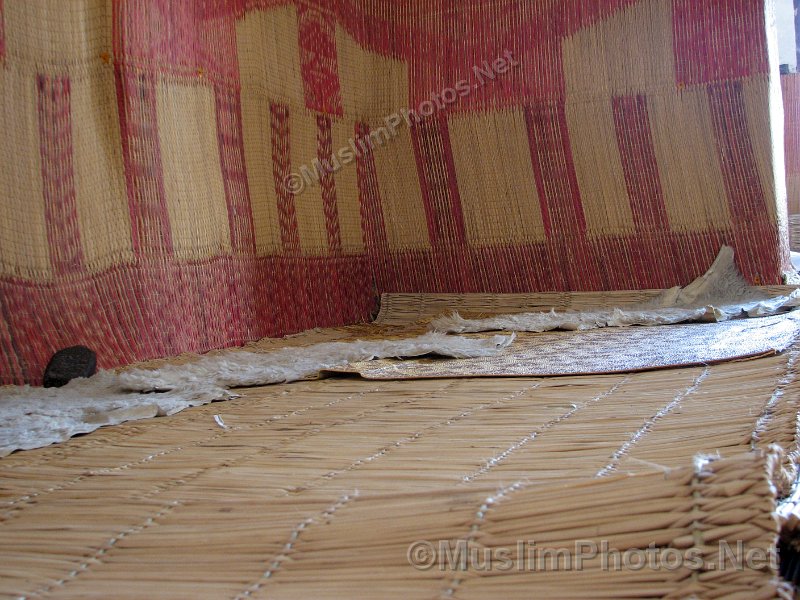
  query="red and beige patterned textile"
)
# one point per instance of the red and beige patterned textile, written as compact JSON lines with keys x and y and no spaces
{"x":146,"y":145}
{"x":791,"y":103}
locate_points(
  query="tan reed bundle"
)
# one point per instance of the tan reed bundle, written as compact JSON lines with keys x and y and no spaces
{"x":402,"y":309}
{"x":794,"y":232}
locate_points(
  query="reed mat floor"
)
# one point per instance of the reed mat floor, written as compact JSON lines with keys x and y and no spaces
{"x":320,"y":489}
{"x":567,"y":487}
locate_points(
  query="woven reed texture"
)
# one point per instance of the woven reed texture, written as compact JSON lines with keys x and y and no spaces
{"x":601,"y":351}
{"x":316,"y":489}
{"x":791,"y":110}
{"x":407,"y":309}
{"x":794,"y":232}
{"x":146,"y":143}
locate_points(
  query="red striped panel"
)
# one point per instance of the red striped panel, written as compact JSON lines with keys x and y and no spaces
{"x":44,"y":321}
{"x":719,"y":39}
{"x":58,"y":181}
{"x":695,"y":252}
{"x":450,"y":42}
{"x":431,"y":141}
{"x":2,"y":33}
{"x":554,"y":169}
{"x":373,"y":23}
{"x":639,"y":163}
{"x":158,"y":307}
{"x":182,"y":38}
{"x":511,"y":269}
{"x":375,"y":26}
{"x":524,"y":268}
{"x":215,"y":318}
{"x":738,"y":161}
{"x":572,"y":262}
{"x":758,"y":245}
{"x":116,"y":318}
{"x":35,"y":312}
{"x":442,"y":201}
{"x":160,"y":31}
{"x":318,"y":60}
{"x":234,"y":175}
{"x":36,"y":333}
{"x":328,"y":185}
{"x":228,"y":306}
{"x":451,"y":39}
{"x":292,"y":283}
{"x":12,"y":365}
{"x":143,"y":170}
{"x":714,"y":40}
{"x":331,"y":275}
{"x":153,"y":295}
{"x":580,"y":15}
{"x":649,"y":262}
{"x":453,"y":263}
{"x":281,"y":169}
{"x":156,"y":295}
{"x":791,"y":109}
{"x":541,"y":64}
{"x":473,"y":40}
{"x":372,"y":224}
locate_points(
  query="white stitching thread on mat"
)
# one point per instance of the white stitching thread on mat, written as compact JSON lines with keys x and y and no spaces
{"x":107,"y":547}
{"x":480,"y":515}
{"x":7,"y":515}
{"x":648,"y":425}
{"x":493,"y":462}
{"x":288,"y":547}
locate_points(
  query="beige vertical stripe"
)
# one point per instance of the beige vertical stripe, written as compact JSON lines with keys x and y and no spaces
{"x":100,"y":191}
{"x":372,"y":86}
{"x":23,"y":231}
{"x":192,"y":172}
{"x":57,"y":32}
{"x":347,"y":195}
{"x":257,"y":134}
{"x":269,"y":53}
{"x":793,"y":185}
{"x":629,"y":52}
{"x":688,"y":161}
{"x":304,"y":142}
{"x":598,"y":167}
{"x":401,"y":192}
{"x":495,"y":178}
{"x":756,"y":91}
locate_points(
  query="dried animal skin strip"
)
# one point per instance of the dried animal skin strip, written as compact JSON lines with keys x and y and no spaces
{"x":35,"y":417}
